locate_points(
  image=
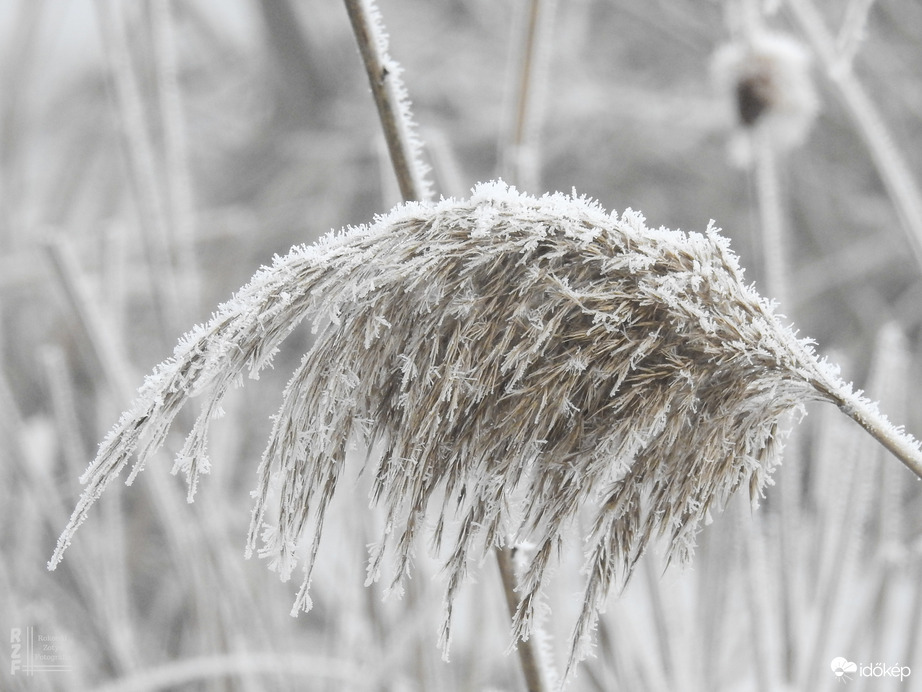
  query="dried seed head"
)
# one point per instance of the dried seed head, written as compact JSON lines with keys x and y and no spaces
{"x":767,"y":78}
{"x":753,"y":97}
{"x":497,"y":348}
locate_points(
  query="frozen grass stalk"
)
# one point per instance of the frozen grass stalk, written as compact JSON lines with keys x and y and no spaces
{"x":491,"y":348}
{"x":522,"y":156}
{"x":391,"y":99}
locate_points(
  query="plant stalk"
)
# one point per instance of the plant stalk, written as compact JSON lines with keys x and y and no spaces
{"x":522,"y":155}
{"x":861,"y":410}
{"x":529,"y":656}
{"x":386,"y":90}
{"x":413,"y":188}
{"x":771,"y":215}
{"x":895,"y":442}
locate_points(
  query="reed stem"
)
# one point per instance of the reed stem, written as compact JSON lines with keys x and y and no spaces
{"x":529,"y":656}
{"x":884,"y":432}
{"x":413,"y":188}
{"x":771,"y":216}
{"x":390,"y":99}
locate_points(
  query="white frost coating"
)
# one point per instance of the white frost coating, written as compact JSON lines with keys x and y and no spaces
{"x":398,"y":95}
{"x":500,"y":347}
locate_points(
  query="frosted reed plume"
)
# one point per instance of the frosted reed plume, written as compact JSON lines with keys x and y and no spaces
{"x":491,"y":349}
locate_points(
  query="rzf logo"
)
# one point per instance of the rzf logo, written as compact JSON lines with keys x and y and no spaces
{"x":15,"y":650}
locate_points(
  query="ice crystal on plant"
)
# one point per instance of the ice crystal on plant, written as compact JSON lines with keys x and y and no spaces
{"x":515,"y":362}
{"x":391,"y":78}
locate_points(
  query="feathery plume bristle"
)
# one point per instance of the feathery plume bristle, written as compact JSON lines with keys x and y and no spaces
{"x":497,"y":348}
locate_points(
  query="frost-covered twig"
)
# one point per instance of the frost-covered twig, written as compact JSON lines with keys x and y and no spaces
{"x":392,"y":101}
{"x":493,"y":348}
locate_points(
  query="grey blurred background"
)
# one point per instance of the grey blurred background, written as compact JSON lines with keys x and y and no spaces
{"x":154,"y":154}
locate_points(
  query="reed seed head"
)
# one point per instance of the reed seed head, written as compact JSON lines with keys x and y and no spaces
{"x":767,"y":77}
{"x":514,"y":363}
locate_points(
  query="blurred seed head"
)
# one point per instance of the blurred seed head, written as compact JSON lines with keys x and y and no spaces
{"x":766,"y":77}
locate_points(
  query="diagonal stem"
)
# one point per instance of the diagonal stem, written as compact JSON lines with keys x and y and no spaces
{"x":862,"y":410}
{"x":390,"y":99}
{"x":893,"y":439}
{"x":895,"y":173}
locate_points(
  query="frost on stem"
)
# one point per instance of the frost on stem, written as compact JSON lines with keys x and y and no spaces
{"x":392,"y":100}
{"x":493,"y":348}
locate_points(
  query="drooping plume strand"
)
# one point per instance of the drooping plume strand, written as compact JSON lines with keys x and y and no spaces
{"x":496,"y":348}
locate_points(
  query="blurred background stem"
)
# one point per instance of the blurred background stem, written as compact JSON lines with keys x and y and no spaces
{"x":771,"y":217}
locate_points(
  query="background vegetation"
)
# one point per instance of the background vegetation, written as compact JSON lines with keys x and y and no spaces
{"x":154,"y":154}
